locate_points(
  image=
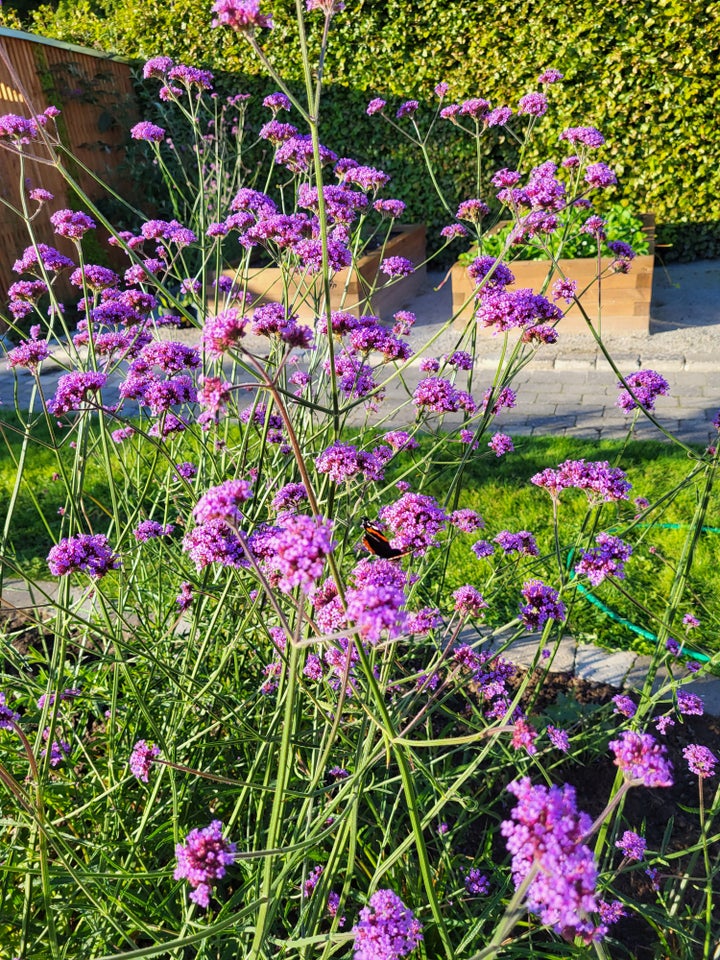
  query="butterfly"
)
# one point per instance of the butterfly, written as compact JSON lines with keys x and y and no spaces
{"x":377,"y":543}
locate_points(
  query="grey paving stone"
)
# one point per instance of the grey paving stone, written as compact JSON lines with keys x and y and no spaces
{"x":574,"y":363}
{"x":562,"y":656}
{"x":635,"y":679}
{"x":600,"y":666}
{"x":520,"y":651}
{"x":669,"y":364}
{"x":700,"y":362}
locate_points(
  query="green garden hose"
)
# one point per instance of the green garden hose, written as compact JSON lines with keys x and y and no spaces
{"x":618,"y":618}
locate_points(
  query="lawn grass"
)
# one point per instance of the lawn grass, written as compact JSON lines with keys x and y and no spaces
{"x":500,"y":490}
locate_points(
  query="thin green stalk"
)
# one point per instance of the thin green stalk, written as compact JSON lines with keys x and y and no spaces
{"x":268,"y":905}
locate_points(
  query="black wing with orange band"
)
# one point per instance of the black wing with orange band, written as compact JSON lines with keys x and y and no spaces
{"x":377,"y":543}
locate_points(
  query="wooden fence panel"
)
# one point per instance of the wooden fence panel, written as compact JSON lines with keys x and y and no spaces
{"x":97,"y":103}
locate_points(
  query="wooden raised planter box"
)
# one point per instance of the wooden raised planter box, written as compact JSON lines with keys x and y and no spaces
{"x":625,"y":296}
{"x":409,"y":241}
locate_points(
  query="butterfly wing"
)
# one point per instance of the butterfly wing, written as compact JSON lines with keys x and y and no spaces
{"x":377,"y":543}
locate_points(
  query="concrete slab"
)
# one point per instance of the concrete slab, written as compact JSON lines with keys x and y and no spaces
{"x":562,"y":656}
{"x":601,"y":666}
{"x":636,"y":677}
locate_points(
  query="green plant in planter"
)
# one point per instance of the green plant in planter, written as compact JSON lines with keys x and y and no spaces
{"x":621,"y":224}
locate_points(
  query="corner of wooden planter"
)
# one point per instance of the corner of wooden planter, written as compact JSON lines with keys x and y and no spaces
{"x":626,"y":297}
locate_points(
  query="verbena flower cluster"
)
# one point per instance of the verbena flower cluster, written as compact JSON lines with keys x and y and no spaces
{"x":386,"y":930}
{"x":202,"y":860}
{"x":545,"y":835}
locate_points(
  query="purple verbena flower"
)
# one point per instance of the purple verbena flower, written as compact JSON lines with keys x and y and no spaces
{"x":466,"y":520}
{"x":524,"y":736}
{"x":59,"y":749}
{"x":395,"y":267}
{"x":542,"y":603}
{"x":386,"y":930}
{"x":389,"y":208}
{"x":469,"y":602}
{"x":343,"y":461}
{"x":223,"y":502}
{"x":460,"y":359}
{"x":632,"y":845}
{"x":7,"y":716}
{"x":147,"y":131}
{"x":522,"y":542}
{"x":545,"y":832}
{"x":213,"y":542}
{"x":453,"y":231}
{"x":375,"y":106}
{"x":625,"y":706}
{"x":564,"y":289}
{"x":72,"y":223}
{"x":29,"y":353}
{"x":149,"y":529}
{"x":646,"y":386}
{"x":299,"y":549}
{"x":400,"y":440}
{"x":700,"y":760}
{"x":241,"y":15}
{"x":476,"y":882}
{"x":607,"y":559}
{"x":202,"y":860}
{"x":482,"y":548}
{"x":689,"y":704}
{"x":601,"y":482}
{"x":642,"y":759}
{"x":473,"y":210}
{"x":663,"y":724}
{"x":51,"y":259}
{"x":611,"y":912}
{"x":534,"y":104}
{"x":505,"y":398}
{"x":407,"y":109}
{"x":414,"y":520}
{"x":500,"y":444}
{"x":157,"y":67}
{"x":489,"y":274}
{"x":312,"y":880}
{"x":73,"y":389}
{"x":222,"y":332}
{"x":589,"y":136}
{"x":599,"y":175}
{"x":185,"y":597}
{"x":558,"y":738}
{"x":289,"y":497}
{"x":141,"y":759}
{"x":551,"y":75}
{"x":89,"y":553}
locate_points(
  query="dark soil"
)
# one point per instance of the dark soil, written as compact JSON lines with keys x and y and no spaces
{"x":653,"y":813}
{"x":22,"y":634}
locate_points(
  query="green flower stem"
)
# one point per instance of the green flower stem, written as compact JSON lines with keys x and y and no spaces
{"x":411,"y":800}
{"x":513,"y":912}
{"x":268,"y":905}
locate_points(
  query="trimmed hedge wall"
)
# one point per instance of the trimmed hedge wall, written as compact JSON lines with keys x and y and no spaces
{"x":643,"y":72}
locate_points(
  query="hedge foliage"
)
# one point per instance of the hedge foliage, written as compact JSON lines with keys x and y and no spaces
{"x":643,"y":72}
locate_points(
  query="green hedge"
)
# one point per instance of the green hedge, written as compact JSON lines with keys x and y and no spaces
{"x":643,"y":72}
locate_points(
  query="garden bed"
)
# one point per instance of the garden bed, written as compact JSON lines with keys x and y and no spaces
{"x":626,"y":297}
